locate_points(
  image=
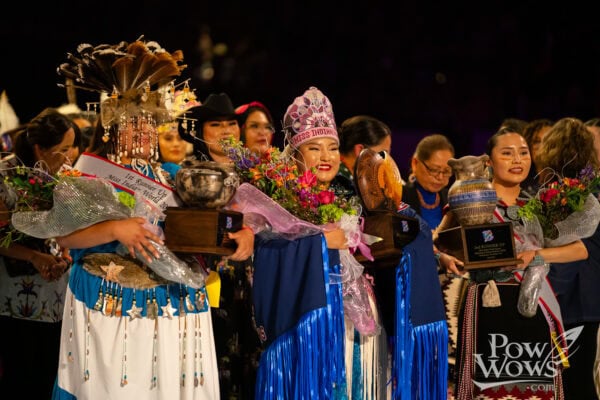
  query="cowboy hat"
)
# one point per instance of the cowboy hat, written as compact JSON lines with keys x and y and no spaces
{"x":215,"y":106}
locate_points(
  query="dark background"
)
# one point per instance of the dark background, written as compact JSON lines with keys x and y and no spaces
{"x":452,"y":68}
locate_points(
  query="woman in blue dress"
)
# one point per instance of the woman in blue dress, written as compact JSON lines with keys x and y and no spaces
{"x":127,"y":331}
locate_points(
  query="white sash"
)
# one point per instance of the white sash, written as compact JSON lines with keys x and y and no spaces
{"x":548,"y":304}
{"x":127,"y":179}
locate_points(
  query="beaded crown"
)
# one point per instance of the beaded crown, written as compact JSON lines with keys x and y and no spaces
{"x":308,"y":117}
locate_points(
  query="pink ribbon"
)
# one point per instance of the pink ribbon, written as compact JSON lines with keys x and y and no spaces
{"x":356,"y":240}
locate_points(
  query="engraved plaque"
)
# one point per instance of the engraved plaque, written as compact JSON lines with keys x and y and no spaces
{"x":480,"y":246}
{"x":198,"y":230}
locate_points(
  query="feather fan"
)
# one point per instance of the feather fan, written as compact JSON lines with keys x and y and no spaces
{"x":131,"y":71}
{"x":127,"y":68}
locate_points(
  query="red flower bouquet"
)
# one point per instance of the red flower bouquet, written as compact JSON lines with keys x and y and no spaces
{"x":562,"y":206}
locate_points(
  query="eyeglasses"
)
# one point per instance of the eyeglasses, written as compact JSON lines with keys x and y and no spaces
{"x":256,"y":126}
{"x":445,"y":173}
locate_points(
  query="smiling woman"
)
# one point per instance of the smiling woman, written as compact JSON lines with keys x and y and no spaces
{"x":256,"y":126}
{"x":492,"y":322}
{"x":32,"y":280}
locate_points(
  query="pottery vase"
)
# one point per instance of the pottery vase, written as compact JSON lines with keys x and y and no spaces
{"x":472,"y":198}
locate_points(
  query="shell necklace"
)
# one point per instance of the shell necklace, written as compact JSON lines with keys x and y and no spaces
{"x":435,"y":204}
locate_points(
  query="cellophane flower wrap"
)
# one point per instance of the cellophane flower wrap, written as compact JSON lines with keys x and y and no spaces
{"x":565,"y":210}
{"x":278,"y":201}
{"x":22,"y":189}
{"x":78,"y":202}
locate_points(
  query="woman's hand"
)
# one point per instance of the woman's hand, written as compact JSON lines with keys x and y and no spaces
{"x":244,"y":239}
{"x":65,"y":254}
{"x":526,"y":257}
{"x":132,"y":233}
{"x":50,"y":267}
{"x":451,"y":264}
{"x":336,"y":239}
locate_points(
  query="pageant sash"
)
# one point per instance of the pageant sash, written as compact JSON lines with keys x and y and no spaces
{"x":128,"y":180}
{"x":548,"y":304}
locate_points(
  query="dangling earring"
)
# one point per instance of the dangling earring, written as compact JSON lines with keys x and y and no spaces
{"x":106,"y":136}
{"x":92,"y":107}
{"x":186,"y":92}
{"x":154,"y":141}
{"x":193,"y":129}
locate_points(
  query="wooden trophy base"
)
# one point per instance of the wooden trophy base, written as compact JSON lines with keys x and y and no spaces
{"x":480,"y":246}
{"x":196,"y":230}
{"x":395,"y":230}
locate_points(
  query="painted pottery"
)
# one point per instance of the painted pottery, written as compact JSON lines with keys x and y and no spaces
{"x":472,"y":198}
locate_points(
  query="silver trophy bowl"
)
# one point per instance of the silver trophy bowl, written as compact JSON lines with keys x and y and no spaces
{"x":206,"y":184}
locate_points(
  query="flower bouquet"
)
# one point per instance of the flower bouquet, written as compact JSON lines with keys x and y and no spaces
{"x":562,"y":212}
{"x":565,"y":210}
{"x":278,"y":201}
{"x":25,"y":189}
{"x":57,"y":206}
{"x":277,"y":176}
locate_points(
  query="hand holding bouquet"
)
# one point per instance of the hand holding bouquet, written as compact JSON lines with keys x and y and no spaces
{"x":565,"y":210}
{"x":562,"y":212}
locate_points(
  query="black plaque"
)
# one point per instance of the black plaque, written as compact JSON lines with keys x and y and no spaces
{"x":395,"y":231}
{"x":197,"y":230}
{"x":480,"y":246}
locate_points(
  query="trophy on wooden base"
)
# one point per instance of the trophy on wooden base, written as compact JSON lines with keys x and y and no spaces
{"x":480,"y":246}
{"x":477,"y":241}
{"x":380,"y":187}
{"x":201,"y":226}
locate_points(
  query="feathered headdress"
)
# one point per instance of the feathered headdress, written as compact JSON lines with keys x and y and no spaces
{"x":131,"y":76}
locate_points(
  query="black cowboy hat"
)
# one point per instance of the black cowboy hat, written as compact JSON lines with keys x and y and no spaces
{"x":215,"y":105}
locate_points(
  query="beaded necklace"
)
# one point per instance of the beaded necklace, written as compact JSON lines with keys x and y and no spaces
{"x":435,"y":204}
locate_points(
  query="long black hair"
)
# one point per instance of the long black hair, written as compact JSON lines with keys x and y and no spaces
{"x":47,"y":129}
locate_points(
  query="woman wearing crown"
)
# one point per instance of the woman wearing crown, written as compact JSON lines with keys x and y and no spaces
{"x":136,"y":321}
{"x":308,"y":287}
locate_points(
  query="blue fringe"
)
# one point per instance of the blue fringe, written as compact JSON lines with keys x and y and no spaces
{"x":430,"y":357}
{"x":420,"y":354}
{"x":357,"y":370}
{"x":307,"y":362}
{"x":401,"y":344}
{"x":60,"y":394}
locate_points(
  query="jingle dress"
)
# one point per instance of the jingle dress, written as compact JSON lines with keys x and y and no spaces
{"x":157,"y":343}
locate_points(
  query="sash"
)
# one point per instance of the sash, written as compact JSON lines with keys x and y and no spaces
{"x":128,"y":180}
{"x":548,"y":304}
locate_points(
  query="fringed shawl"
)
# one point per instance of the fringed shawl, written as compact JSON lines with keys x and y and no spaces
{"x":302,"y":316}
{"x":420,"y":343}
